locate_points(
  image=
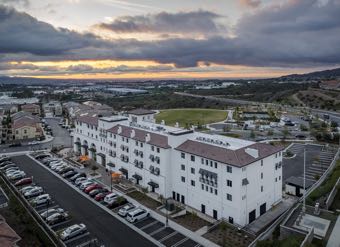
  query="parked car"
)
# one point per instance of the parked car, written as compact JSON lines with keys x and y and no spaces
{"x":50,"y":212}
{"x":14,"y":168}
{"x":17,"y":144}
{"x":4,"y":163}
{"x":59,"y":166}
{"x":17,"y":176}
{"x":127,"y":208}
{"x":42,"y":156}
{"x":27,"y":188}
{"x":33,"y":192}
{"x":99,"y":197}
{"x":91,"y":187}
{"x":23,"y":181}
{"x":86,"y":184}
{"x":5,"y":158}
{"x":94,"y":192}
{"x":17,"y":173}
{"x":56,"y":218}
{"x":11,"y":171}
{"x":69,"y":174}
{"x":136,"y":215}
{"x":3,"y":168}
{"x":110,"y":198}
{"x":73,"y":231}
{"x":33,"y":143}
{"x":64,"y":170}
{"x":80,"y":180}
{"x":119,"y":201}
{"x":41,"y":200}
{"x":78,"y":175}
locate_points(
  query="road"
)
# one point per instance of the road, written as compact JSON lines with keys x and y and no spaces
{"x":102,"y":225}
{"x":61,"y":137}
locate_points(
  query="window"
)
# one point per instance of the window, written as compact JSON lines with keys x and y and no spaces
{"x":202,"y":161}
{"x":215,"y":191}
{"x":202,"y":185}
{"x":261,"y":175}
{"x":211,"y":163}
{"x":183,"y":179}
{"x":244,"y":197}
{"x":216,"y":165}
{"x":229,"y":169}
{"x":211,"y":190}
{"x":279,"y":177}
{"x":229,"y":183}
{"x":261,"y":188}
{"x":192,"y":158}
{"x":183,"y":155}
{"x":152,"y":148}
{"x":136,"y":143}
{"x":158,"y":150}
{"x":275,"y":179}
{"x":229,"y":197}
{"x":192,"y":183}
{"x":207,"y":162}
{"x":261,"y":162}
{"x":206,"y":188}
{"x":141,"y":145}
{"x":192,"y":170}
{"x":244,"y":168}
{"x":276,"y":155}
{"x":183,"y":167}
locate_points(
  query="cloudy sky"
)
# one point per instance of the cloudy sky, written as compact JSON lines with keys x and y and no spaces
{"x":167,"y":39}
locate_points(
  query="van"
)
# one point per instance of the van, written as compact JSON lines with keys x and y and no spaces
{"x":136,"y":215}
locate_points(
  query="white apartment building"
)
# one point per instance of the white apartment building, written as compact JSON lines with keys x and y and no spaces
{"x":219,"y":176}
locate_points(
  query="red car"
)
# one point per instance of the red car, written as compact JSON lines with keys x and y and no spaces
{"x":101,"y":196}
{"x":23,"y":181}
{"x":92,"y":187}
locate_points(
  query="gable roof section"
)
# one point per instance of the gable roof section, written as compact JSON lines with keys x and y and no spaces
{"x":155,"y":139}
{"x":88,"y":120}
{"x":237,"y":157}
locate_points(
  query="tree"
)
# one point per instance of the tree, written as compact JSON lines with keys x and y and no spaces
{"x":252,"y":134}
{"x":285,"y":132}
{"x":270,"y":133}
{"x":94,"y":168}
{"x":303,"y":127}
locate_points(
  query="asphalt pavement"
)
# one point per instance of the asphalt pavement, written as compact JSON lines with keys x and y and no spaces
{"x":101,"y":224}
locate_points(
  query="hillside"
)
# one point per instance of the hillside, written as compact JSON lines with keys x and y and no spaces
{"x":324,"y":74}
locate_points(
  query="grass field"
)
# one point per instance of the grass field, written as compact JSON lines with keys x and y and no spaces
{"x":188,"y":117}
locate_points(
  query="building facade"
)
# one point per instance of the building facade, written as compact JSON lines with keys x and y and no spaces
{"x":222,"y":177}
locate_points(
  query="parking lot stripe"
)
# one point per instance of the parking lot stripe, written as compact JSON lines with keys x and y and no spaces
{"x":151,"y":224}
{"x":43,"y":210}
{"x":168,"y":236}
{"x":158,"y":230}
{"x":180,"y":242}
{"x":61,"y":223}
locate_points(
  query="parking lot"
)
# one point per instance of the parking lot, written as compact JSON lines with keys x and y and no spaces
{"x":318,"y":158}
{"x":101,"y":225}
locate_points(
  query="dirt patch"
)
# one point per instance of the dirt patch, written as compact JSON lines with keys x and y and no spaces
{"x":191,"y":221}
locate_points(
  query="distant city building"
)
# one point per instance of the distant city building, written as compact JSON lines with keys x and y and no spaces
{"x":31,"y":108}
{"x":52,"y":109}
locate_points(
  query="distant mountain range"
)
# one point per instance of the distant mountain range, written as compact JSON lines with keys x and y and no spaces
{"x":324,"y":74}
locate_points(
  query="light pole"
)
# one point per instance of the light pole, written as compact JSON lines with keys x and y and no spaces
{"x":304,"y":181}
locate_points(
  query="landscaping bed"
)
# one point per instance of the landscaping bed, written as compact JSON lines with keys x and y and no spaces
{"x":227,"y":235}
{"x":191,"y":221}
{"x":144,"y":199}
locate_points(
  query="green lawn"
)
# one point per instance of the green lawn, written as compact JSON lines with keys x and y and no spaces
{"x":188,"y":117}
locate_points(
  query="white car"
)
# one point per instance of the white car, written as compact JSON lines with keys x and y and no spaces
{"x":33,"y":143}
{"x":85,"y":184}
{"x":110,"y":198}
{"x":27,"y":188}
{"x":50,"y":212}
{"x":14,"y":168}
{"x":17,"y":176}
{"x":80,"y":180}
{"x":56,"y":218}
{"x":33,"y":192}
{"x":136,"y":215}
{"x":127,"y":208}
{"x":42,"y":199}
{"x":73,"y":231}
{"x":11,"y":172}
{"x":55,"y":167}
{"x":56,"y":162}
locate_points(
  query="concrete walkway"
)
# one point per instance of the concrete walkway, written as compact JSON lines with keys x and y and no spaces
{"x":334,"y":239}
{"x":272,"y":214}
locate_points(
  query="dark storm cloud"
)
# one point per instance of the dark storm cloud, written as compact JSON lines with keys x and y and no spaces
{"x":302,"y":33}
{"x":19,"y":32}
{"x":201,"y":22}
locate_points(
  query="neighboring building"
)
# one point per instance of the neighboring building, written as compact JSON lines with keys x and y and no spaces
{"x":295,"y":186}
{"x":31,"y":108}
{"x":26,"y":126}
{"x":8,"y":108}
{"x":220,"y":176}
{"x":8,"y":237}
{"x":138,"y":115}
{"x":53,"y":109}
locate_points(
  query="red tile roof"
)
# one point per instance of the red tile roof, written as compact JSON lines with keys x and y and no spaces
{"x":25,"y":121}
{"x":88,"y":120}
{"x":237,"y":157}
{"x":155,"y":139}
